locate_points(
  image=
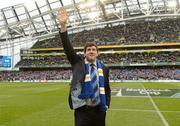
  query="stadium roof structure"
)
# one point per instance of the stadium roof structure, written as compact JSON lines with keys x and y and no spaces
{"x":37,"y":19}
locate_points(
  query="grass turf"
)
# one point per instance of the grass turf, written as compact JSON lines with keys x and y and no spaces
{"x":45,"y":104}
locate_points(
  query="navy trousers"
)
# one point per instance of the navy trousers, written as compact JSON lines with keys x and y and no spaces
{"x":89,"y":116}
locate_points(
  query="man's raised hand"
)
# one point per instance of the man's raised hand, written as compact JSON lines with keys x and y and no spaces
{"x":62,"y":17}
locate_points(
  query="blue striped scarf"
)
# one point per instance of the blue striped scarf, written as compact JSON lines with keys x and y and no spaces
{"x":87,"y":89}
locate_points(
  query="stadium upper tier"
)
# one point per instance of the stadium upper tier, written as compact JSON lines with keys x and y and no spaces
{"x":37,"y":18}
{"x":130,"y":33}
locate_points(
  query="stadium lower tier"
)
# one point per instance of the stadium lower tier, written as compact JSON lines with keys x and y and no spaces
{"x":124,"y":58}
{"x":136,"y":73}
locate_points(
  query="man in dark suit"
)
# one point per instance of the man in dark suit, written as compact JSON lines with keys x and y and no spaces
{"x":89,"y":89}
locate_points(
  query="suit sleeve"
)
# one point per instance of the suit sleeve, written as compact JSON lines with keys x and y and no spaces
{"x":68,"y":48}
{"x":108,"y":89}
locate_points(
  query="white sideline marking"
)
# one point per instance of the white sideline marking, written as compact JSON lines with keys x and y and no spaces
{"x":119,"y":93}
{"x":139,"y":110}
{"x":156,"y":108}
{"x":165,"y":97}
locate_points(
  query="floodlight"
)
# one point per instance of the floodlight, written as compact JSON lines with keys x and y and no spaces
{"x":103,"y":1}
{"x":93,"y":15}
{"x":2,"y":32}
{"x":88,"y":4}
{"x":172,"y":3}
{"x":29,"y":4}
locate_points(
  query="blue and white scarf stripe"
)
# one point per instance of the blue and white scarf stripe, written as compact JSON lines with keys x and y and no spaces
{"x":101,"y":88}
{"x":87,"y":88}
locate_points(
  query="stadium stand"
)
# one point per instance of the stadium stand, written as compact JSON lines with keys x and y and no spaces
{"x":33,"y":75}
{"x":136,"y":63}
{"x":142,"y":48}
{"x":125,"y":58}
{"x":127,"y":73}
{"x":130,"y":33}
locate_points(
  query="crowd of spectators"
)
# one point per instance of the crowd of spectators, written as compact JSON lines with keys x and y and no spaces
{"x":48,"y":61}
{"x":145,"y":74}
{"x":53,"y":42}
{"x":130,"y":33}
{"x":134,"y":58}
{"x":115,"y":74}
{"x":35,"y":75}
{"x":123,"y":58}
{"x":48,"y":43}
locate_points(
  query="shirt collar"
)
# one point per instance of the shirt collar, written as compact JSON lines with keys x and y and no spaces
{"x":95,"y":63}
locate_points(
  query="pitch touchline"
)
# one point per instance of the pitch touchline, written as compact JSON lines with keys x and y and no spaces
{"x":156,"y":108}
{"x":139,"y":110}
{"x":144,"y":97}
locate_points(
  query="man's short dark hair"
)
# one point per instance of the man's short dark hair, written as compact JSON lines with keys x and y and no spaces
{"x":90,"y":44}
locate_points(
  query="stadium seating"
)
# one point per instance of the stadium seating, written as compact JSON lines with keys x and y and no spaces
{"x":131,"y":33}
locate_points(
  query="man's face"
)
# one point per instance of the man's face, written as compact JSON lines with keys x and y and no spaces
{"x":91,"y":54}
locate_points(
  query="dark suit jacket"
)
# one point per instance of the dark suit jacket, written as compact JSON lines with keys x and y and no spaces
{"x":78,"y":69}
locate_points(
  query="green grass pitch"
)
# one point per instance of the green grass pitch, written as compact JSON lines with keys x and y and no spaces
{"x":45,"y":104}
